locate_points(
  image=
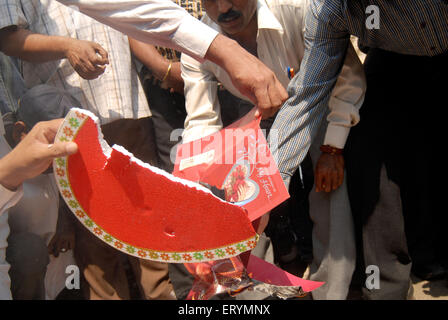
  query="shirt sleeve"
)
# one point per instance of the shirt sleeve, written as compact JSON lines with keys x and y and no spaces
{"x":309,"y":91}
{"x":159,"y":22}
{"x":11,"y":14}
{"x":201,"y":100}
{"x":346,"y":100}
{"x":9,"y":198}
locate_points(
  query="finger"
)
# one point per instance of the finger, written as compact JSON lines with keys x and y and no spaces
{"x":96,"y":59}
{"x":90,"y":75}
{"x":103,"y":56}
{"x":48,"y":129}
{"x":62,"y":149}
{"x":87,"y":64}
{"x":340,"y":172}
{"x":319,"y":180}
{"x":263,"y":101}
{"x":261,"y":84}
{"x":327,"y":182}
{"x":334,"y":179}
{"x":83,"y":72}
{"x":99,"y":70}
{"x":277,"y":95}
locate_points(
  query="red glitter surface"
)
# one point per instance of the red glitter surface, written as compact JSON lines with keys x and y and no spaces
{"x":146,"y":209}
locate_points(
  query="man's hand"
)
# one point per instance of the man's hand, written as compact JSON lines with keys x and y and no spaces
{"x":88,"y":58}
{"x":329,"y":172}
{"x":174,"y":80}
{"x":61,"y":242}
{"x":249,"y":75}
{"x":34,"y":154}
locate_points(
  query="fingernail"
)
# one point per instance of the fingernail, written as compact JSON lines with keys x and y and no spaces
{"x":71,"y":147}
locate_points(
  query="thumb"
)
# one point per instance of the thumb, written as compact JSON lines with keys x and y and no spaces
{"x":103,"y":53}
{"x":62,"y":149}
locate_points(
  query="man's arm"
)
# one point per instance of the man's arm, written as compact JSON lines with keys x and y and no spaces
{"x":163,"y":69}
{"x":163,"y":23}
{"x":34,"y":154}
{"x":345,"y":101}
{"x":86,"y":57}
{"x":201,"y":100}
{"x":298,"y":120}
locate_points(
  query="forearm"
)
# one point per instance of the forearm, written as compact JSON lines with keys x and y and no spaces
{"x":32,"y":47}
{"x":298,"y":120}
{"x":201,"y":100}
{"x":346,"y":100}
{"x":159,"y":22}
{"x":150,"y":57}
{"x":10,"y":176}
{"x":221,"y":48}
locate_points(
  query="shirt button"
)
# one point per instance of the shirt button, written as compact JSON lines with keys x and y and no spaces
{"x":423,"y":25}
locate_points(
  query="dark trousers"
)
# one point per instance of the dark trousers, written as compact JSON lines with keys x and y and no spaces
{"x":400,"y":130}
{"x":27,"y":254}
{"x":168,"y":113}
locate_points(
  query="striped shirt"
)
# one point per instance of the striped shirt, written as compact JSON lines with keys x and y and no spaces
{"x":116,"y":94}
{"x":11,"y":86}
{"x":193,"y":7}
{"x":412,"y":27}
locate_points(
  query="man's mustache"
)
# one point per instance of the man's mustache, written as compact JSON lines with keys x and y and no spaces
{"x":229,"y":15}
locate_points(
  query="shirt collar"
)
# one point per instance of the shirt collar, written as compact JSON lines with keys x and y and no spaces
{"x":266,"y":19}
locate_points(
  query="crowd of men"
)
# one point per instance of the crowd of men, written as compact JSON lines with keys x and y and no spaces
{"x":355,"y":107}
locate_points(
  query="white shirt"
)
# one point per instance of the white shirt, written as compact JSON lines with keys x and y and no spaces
{"x":37,"y":210}
{"x":37,"y":213}
{"x":280,"y":44}
{"x":116,"y":94}
{"x":7,"y":199}
{"x":160,"y":22}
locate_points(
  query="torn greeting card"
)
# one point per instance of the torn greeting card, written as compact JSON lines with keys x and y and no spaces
{"x":141,"y":210}
{"x":236,"y":160}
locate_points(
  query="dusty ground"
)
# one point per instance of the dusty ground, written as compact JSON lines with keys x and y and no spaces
{"x":423,"y":290}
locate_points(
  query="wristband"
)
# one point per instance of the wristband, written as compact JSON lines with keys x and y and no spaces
{"x":331,"y":150}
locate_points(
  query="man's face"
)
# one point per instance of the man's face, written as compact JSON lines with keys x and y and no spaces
{"x":232,"y":16}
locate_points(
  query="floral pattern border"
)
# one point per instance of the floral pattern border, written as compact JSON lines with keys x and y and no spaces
{"x":67,"y":132}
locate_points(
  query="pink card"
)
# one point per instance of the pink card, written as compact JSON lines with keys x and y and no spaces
{"x":238,"y":161}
